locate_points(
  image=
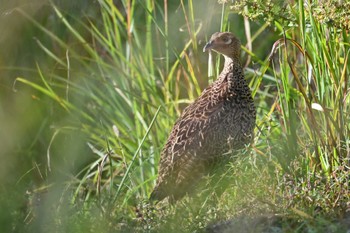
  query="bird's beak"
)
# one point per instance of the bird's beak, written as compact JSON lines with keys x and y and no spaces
{"x":208,"y":46}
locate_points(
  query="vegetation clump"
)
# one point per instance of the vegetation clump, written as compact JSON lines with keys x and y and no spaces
{"x":332,"y":12}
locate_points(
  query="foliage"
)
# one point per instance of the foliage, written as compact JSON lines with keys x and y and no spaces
{"x":269,"y":11}
{"x":332,"y":12}
{"x":113,"y":82}
{"x":311,"y":67}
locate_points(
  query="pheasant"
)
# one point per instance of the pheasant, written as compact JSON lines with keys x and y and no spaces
{"x":220,"y":120}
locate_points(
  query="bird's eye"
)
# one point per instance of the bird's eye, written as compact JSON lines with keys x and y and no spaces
{"x":227,"y":40}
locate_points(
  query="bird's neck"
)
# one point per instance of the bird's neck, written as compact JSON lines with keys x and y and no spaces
{"x":232,"y":76}
{"x":232,"y":64}
{"x":229,"y":61}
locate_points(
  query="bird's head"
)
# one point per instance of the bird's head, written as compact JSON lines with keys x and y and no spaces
{"x":225,"y":43}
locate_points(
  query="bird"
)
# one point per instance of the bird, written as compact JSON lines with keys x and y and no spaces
{"x":220,"y":120}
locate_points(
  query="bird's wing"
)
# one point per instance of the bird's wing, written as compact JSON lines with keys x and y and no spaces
{"x":196,"y":119}
{"x":186,"y":139}
{"x":177,"y":157}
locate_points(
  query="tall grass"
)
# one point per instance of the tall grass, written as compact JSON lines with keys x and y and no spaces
{"x":124,"y":78}
{"x":124,"y":91}
{"x":312,"y":71}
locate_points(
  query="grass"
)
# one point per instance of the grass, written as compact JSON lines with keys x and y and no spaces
{"x":113,"y":83}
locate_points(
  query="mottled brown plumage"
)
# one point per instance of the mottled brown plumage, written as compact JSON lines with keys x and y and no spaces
{"x":222,"y":119}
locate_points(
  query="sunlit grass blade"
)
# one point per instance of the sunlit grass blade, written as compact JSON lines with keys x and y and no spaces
{"x":125,"y":176}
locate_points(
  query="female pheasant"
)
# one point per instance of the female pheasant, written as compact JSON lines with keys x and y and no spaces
{"x":222,"y":119}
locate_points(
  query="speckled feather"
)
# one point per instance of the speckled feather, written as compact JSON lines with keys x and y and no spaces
{"x":220,"y":120}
